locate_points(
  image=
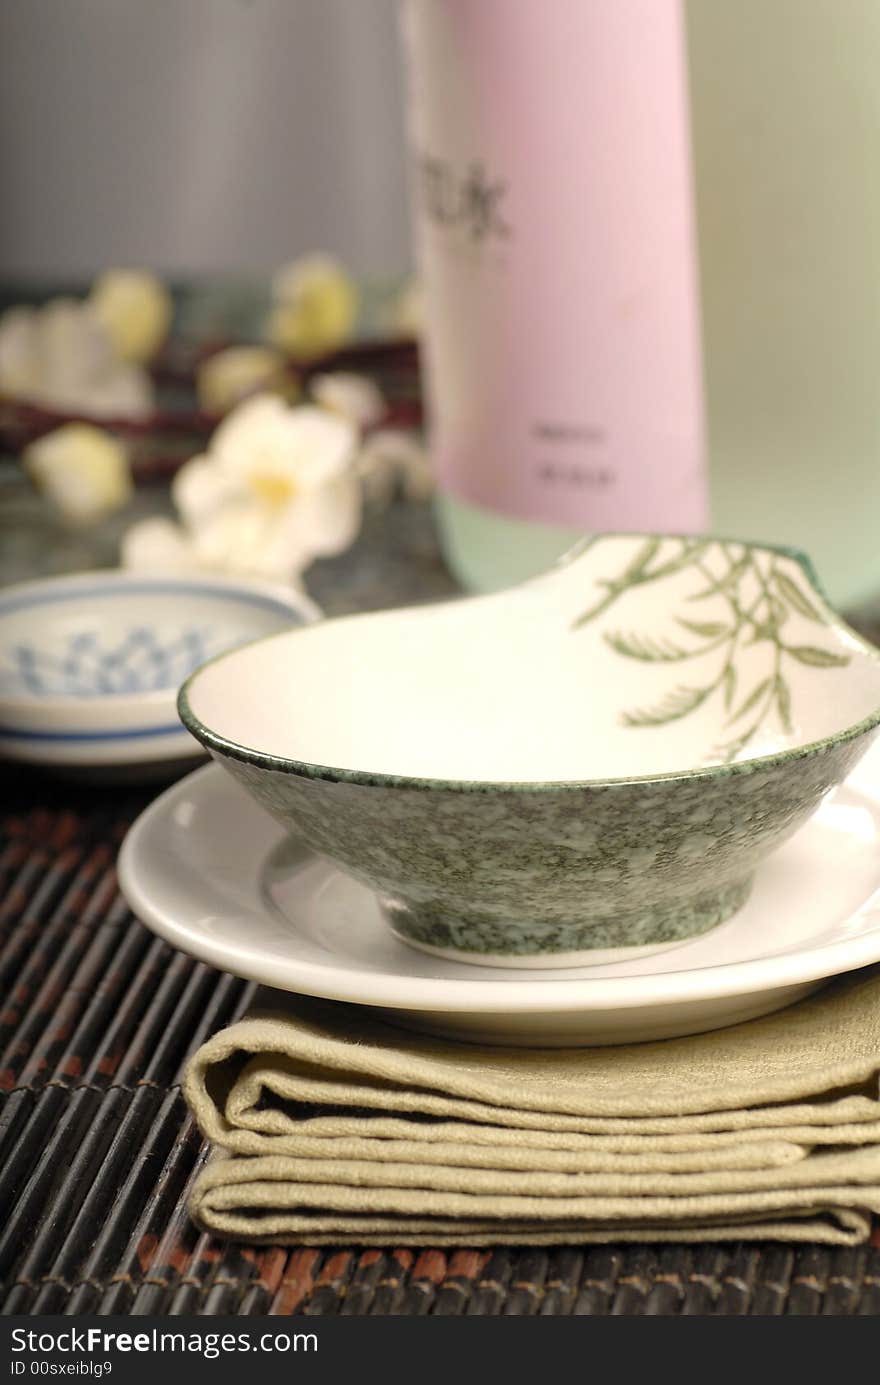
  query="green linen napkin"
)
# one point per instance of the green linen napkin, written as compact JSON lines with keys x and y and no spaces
{"x":331,"y":1126}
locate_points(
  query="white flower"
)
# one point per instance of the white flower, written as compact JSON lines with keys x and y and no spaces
{"x":158,"y":545}
{"x":231,"y":375}
{"x":392,"y":459}
{"x":315,"y":307}
{"x":18,"y":364}
{"x":82,"y":469}
{"x":275,"y":490}
{"x":135,"y":310}
{"x":355,"y":397}
{"x":60,"y":356}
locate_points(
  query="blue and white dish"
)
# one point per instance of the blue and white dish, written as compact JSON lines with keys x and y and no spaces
{"x":90,"y":663}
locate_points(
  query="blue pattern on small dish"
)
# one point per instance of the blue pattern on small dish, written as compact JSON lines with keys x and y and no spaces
{"x":89,"y":666}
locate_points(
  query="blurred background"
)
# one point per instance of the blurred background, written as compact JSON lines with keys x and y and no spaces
{"x":210,"y":143}
{"x":214,"y":142}
{"x":198,"y":136}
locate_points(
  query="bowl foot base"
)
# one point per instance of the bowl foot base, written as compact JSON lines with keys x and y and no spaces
{"x":484,"y":940}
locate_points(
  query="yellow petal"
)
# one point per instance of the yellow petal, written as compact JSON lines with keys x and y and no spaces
{"x":83,"y":470}
{"x":135,"y":309}
{"x":316,"y":306}
{"x":231,"y":375}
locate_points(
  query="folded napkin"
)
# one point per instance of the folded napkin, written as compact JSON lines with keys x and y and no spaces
{"x":334,"y":1127}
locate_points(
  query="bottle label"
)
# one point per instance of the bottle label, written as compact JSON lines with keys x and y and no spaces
{"x":554,"y":215}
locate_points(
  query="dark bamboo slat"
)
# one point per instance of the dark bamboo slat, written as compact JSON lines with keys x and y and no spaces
{"x":297,"y":1281}
{"x":701,"y":1288}
{"x":161,"y":1243}
{"x":489,"y":1294}
{"x":388,"y":1297}
{"x":527,"y":1285}
{"x":561,"y":1284}
{"x":845,"y":1279}
{"x":33,"y":952}
{"x":601,"y":1268}
{"x":774,"y":1276}
{"x":108,"y":1281}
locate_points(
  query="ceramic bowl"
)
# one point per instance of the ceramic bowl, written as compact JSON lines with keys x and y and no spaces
{"x":593,"y":761}
{"x":90,"y":664}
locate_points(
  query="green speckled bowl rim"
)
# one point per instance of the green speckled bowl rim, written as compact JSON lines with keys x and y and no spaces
{"x":376,"y":779}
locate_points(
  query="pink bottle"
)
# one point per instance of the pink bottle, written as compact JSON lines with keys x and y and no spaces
{"x":555,"y":230}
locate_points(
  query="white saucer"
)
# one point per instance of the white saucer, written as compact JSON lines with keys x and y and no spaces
{"x":209,"y":871}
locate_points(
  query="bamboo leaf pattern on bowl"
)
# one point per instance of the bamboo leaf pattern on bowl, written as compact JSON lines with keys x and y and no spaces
{"x":678,"y":703}
{"x":760,"y":600}
{"x":791,"y":592}
{"x":819,"y":658}
{"x":646,"y":648}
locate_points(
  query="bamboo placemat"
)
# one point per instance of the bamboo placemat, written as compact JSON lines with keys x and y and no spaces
{"x":97,"y":1150}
